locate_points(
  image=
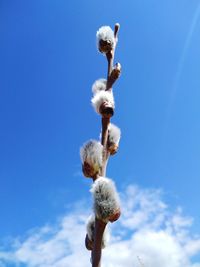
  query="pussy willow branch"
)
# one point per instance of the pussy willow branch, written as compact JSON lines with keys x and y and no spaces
{"x":100,"y":225}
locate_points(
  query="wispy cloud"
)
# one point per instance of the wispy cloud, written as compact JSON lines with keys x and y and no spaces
{"x":181,"y":63}
{"x":148,"y":233}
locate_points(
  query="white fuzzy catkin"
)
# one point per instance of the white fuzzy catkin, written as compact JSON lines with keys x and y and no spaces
{"x":101,"y":97}
{"x":106,"y":199}
{"x":114,"y":134}
{"x":90,"y":231}
{"x":91,"y":152}
{"x":99,"y":85}
{"x":105,"y":33}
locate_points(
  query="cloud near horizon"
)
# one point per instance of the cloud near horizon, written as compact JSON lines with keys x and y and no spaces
{"x":148,"y":234}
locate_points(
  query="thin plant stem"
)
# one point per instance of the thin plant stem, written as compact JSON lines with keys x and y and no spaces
{"x":104,"y":139}
{"x":100,"y":225}
{"x":98,"y":233}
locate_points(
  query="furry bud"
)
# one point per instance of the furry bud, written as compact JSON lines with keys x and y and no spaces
{"x":105,"y":39}
{"x":103,"y":103}
{"x":114,"y":135}
{"x":106,"y":200}
{"x":91,"y":157}
{"x":99,"y":85}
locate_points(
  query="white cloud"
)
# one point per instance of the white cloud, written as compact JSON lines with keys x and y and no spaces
{"x":148,"y":234}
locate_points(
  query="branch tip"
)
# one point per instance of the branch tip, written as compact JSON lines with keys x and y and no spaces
{"x":117,"y":27}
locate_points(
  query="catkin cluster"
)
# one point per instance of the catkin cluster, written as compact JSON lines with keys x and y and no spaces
{"x":94,"y":154}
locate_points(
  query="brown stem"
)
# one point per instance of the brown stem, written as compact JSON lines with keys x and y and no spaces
{"x":105,"y":163}
{"x":99,"y":225}
{"x":104,"y":140}
{"x":110,"y":58}
{"x":104,"y":137}
{"x":98,"y":233}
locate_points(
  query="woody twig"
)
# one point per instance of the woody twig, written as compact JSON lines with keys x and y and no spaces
{"x":95,"y":155}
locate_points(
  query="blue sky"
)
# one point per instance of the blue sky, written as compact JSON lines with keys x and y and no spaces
{"x":48,"y":63}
